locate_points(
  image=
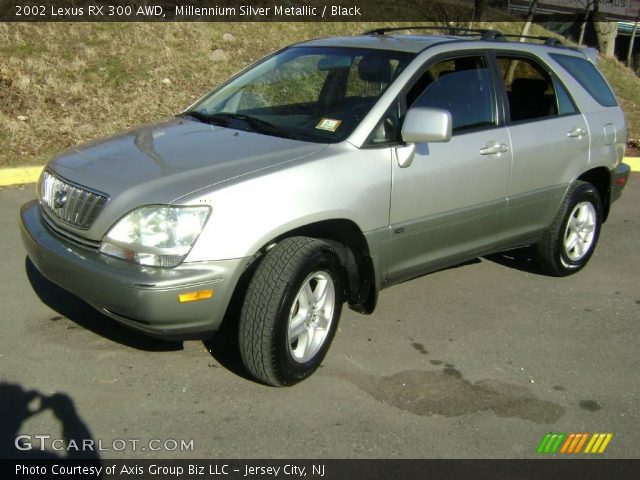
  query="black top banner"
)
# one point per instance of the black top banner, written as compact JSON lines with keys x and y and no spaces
{"x":443,"y":11}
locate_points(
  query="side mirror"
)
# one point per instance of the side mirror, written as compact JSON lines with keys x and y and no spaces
{"x":425,"y":124}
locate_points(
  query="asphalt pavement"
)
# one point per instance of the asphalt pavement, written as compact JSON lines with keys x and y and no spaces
{"x":476,"y":361}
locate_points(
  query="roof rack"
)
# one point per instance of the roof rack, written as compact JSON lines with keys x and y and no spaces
{"x":548,"y":41}
{"x":484,"y":34}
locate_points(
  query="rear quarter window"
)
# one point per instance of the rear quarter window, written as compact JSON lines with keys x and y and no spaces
{"x":589,"y":77}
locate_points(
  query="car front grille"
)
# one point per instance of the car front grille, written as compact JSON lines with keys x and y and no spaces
{"x":71,"y":204}
{"x":68,"y":236}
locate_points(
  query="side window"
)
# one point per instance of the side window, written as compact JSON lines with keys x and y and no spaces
{"x":531,"y":91}
{"x":369,"y":77}
{"x":388,"y":129}
{"x":588,"y":76}
{"x":460,"y":85}
{"x":565,"y":104}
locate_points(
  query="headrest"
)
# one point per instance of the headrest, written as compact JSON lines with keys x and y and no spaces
{"x":530,"y":86}
{"x":374,"y":68}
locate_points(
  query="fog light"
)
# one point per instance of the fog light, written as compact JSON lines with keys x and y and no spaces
{"x":195,"y":296}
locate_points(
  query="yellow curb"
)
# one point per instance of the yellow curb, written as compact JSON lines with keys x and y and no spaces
{"x":634,"y":163}
{"x":15,"y":176}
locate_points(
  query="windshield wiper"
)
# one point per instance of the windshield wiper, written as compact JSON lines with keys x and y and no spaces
{"x":226,"y":118}
{"x":205,"y":117}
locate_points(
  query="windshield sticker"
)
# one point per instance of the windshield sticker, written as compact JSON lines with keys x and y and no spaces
{"x":328,"y":124}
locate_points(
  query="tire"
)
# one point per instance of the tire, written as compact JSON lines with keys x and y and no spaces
{"x":291,"y":311}
{"x":568,"y":245}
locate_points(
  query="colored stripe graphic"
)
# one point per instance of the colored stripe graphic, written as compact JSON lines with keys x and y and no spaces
{"x":550,"y":442}
{"x":598,"y":442}
{"x":573,"y":443}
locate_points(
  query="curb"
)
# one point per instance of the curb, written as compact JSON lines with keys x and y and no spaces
{"x":17,"y":176}
{"x":633,"y":162}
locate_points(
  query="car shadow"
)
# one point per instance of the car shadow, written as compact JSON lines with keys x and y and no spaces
{"x":81,"y":313}
{"x":473,"y":261}
{"x":224,"y":346}
{"x":522,"y":259}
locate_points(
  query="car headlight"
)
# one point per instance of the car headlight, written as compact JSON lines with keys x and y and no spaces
{"x":160,"y":236}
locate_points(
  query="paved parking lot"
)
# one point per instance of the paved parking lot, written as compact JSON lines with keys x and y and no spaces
{"x":479,"y":360}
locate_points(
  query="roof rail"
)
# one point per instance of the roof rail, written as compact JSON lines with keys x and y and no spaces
{"x":493,"y":35}
{"x":483,"y":33}
{"x":548,"y":41}
{"x":553,"y":42}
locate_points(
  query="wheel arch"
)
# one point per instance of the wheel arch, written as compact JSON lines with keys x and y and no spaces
{"x":600,"y":178}
{"x":353,"y":251}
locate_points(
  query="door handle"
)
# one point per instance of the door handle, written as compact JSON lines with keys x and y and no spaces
{"x":577,"y":133}
{"x":494,"y":149}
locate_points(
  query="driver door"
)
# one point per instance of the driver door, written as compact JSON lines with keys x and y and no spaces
{"x":448,"y":200}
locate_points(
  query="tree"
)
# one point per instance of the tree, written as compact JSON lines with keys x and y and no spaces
{"x":606,"y":33}
{"x":587,"y":11}
{"x":479,"y":10}
{"x":527,"y":25}
{"x":631,"y":41}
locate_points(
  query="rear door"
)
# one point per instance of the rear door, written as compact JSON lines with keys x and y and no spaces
{"x":550,"y":144}
{"x":605,"y":118}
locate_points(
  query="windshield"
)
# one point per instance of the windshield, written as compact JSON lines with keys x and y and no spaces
{"x":306,"y":93}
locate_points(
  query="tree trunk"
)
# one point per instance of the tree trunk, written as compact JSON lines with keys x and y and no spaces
{"x":479,"y":10}
{"x":585,"y":20}
{"x":631,"y":41}
{"x":606,"y":33}
{"x":527,"y":25}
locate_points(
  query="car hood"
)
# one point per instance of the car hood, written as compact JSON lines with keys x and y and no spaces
{"x":174,"y":157}
{"x":161,"y":162}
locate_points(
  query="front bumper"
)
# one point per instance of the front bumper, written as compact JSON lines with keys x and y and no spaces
{"x":143,"y":298}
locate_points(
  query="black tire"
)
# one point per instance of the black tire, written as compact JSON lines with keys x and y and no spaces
{"x":274,"y":295}
{"x":554,"y":256}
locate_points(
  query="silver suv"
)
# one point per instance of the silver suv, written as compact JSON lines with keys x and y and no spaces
{"x":325,"y":172}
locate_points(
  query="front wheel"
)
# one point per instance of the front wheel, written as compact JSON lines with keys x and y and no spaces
{"x":569,"y":243}
{"x":291,"y":311}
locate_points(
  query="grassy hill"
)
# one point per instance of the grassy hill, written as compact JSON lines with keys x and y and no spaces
{"x":61,"y":84}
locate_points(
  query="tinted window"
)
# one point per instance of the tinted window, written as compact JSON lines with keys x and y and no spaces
{"x":460,"y":85}
{"x":530,"y":90}
{"x":565,"y":104}
{"x":388,"y":129}
{"x":588,"y":76}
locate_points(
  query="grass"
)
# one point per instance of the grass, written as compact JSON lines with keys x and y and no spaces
{"x":76,"y":82}
{"x":627,"y":88}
